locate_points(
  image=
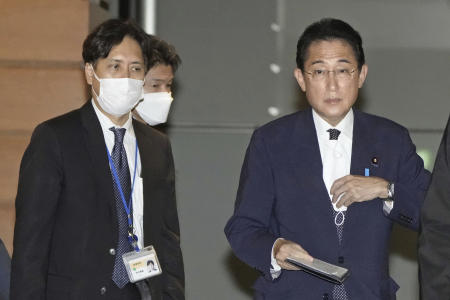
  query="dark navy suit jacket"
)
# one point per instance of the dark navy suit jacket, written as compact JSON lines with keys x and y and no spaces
{"x":282,"y":194}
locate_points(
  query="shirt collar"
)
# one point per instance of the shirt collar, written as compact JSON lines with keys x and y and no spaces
{"x":106,"y":122}
{"x":345,"y":126}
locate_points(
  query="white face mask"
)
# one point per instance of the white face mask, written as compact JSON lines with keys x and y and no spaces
{"x":154,"y":109}
{"x":118,"y":96}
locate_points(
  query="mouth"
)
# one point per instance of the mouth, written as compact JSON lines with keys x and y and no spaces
{"x":333,"y":101}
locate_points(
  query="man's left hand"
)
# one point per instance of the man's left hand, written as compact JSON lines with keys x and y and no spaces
{"x":354,"y":188}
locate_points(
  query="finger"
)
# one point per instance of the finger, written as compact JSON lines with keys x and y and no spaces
{"x":343,"y":199}
{"x":302,"y":255}
{"x":287,"y":250}
{"x":338,"y":183}
{"x":288,"y":266}
{"x":337,"y":196}
{"x":346,"y":200}
{"x":340,"y":192}
{"x":292,"y":250}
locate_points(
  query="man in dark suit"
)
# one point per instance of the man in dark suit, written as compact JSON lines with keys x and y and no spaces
{"x":320,"y":183}
{"x":95,"y":184}
{"x":434,"y":239}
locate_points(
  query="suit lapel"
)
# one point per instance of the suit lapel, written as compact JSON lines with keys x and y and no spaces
{"x":96,"y":147}
{"x":307,"y":161}
{"x":362,"y":147}
{"x":363,"y":150}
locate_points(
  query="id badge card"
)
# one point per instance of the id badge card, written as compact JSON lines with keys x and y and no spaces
{"x":141,"y":265}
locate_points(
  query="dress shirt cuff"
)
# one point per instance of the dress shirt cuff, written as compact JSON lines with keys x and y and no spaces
{"x":275,"y":270}
{"x":387,"y":206}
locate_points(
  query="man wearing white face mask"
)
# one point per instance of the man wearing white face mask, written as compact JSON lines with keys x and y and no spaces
{"x":97,"y":188}
{"x":163,"y":61}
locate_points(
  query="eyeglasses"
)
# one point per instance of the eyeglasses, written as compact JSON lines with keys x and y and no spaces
{"x":340,"y":74}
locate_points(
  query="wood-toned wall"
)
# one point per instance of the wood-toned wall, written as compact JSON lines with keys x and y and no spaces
{"x":41,"y":77}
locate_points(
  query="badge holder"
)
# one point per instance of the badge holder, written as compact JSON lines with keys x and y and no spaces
{"x":141,"y":265}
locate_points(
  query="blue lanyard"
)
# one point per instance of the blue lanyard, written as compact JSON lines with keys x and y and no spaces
{"x":132,"y":238}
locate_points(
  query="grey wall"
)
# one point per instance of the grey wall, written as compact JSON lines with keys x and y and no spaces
{"x":238,"y":59}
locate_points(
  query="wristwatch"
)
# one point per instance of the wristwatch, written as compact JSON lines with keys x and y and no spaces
{"x":390,"y":190}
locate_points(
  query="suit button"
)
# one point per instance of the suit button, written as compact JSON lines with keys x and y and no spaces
{"x":102,"y":290}
{"x":112,"y":251}
{"x":341,"y":259}
{"x":325,"y":296}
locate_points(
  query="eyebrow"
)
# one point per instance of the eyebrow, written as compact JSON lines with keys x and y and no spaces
{"x":160,"y":80}
{"x":342,"y":60}
{"x":317,"y":62}
{"x":120,"y":61}
{"x":114,"y":60}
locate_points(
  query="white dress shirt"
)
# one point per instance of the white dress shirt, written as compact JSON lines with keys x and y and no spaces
{"x":336,"y":158}
{"x":336,"y":154}
{"x":129,"y":142}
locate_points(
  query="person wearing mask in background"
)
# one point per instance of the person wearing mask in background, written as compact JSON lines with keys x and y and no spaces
{"x":327,"y":182}
{"x":96,"y":188}
{"x":163,"y":62}
{"x":434,"y":238}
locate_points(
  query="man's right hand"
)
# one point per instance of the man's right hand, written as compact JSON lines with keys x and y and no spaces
{"x":284,"y":249}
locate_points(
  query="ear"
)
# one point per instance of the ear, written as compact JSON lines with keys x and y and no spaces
{"x":298,"y":74}
{"x":362,"y":75}
{"x":88,"y":73}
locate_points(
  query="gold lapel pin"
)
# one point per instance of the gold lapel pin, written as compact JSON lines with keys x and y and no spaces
{"x":375,"y":161}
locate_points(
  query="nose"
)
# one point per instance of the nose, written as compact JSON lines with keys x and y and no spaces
{"x":129,"y":74}
{"x":331,"y":81}
{"x":123,"y":73}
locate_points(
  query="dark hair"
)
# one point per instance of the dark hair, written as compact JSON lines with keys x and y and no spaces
{"x":329,"y":29}
{"x":161,"y":52}
{"x":110,"y":33}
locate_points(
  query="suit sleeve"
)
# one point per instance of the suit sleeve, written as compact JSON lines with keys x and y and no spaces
{"x":434,"y":239}
{"x":173,"y":275}
{"x":411,"y":185}
{"x":248,"y":230}
{"x":40,"y":180}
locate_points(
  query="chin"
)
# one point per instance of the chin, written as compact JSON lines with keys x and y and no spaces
{"x":335,"y":113}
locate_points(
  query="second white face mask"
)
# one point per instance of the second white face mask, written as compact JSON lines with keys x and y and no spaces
{"x":155,"y":107}
{"x":118,"y":96}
